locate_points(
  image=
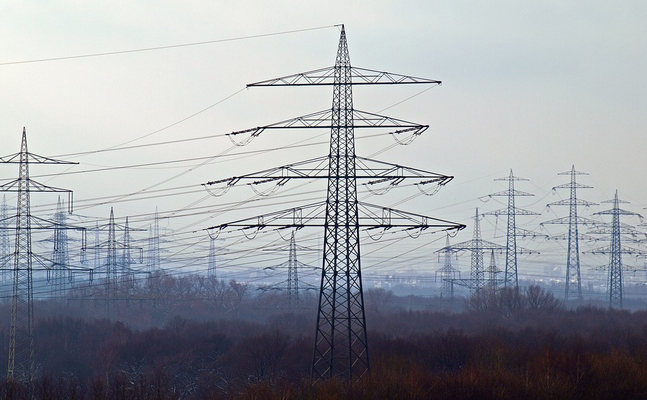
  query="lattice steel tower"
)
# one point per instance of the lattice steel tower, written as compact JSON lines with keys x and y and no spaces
{"x":5,"y":242}
{"x":616,"y":249}
{"x":153,"y":259}
{"x":341,"y":347}
{"x":492,"y":271}
{"x":447,"y":273}
{"x":573,"y":278}
{"x":21,"y":328}
{"x":60,"y":256}
{"x":511,"y":277}
{"x":211,"y":266}
{"x":476,"y":246}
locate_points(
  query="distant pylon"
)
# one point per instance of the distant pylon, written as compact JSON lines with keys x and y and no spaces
{"x":511,"y":277}
{"x":447,"y":274}
{"x":211,"y":267}
{"x":615,"y":251}
{"x":476,"y":246}
{"x":21,"y":329}
{"x":291,"y":284}
{"x":119,"y":276}
{"x":60,"y":256}
{"x":492,"y":273}
{"x":97,"y":248}
{"x":573,"y":281}
{"x":5,"y":242}
{"x":111,"y":267}
{"x":126,"y":277}
{"x":476,"y":266}
{"x":293,"y":274}
{"x":153,"y":259}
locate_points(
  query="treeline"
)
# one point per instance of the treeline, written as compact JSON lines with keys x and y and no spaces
{"x":507,"y":345}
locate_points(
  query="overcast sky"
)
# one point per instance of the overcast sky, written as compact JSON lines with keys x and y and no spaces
{"x":531,"y":86}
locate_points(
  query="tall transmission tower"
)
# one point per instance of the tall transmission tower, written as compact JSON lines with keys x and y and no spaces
{"x":112,"y":277}
{"x":511,"y":277}
{"x":492,"y":271}
{"x":21,"y":328}
{"x":118,"y":273}
{"x":476,"y":247}
{"x":60,"y":256}
{"x":291,"y":284}
{"x":153,"y":259}
{"x":447,"y":274}
{"x":615,"y":250}
{"x":5,"y":241}
{"x":211,"y":267}
{"x":341,"y":343}
{"x":573,"y":281}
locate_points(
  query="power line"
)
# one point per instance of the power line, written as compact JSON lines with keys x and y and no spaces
{"x":172,"y":46}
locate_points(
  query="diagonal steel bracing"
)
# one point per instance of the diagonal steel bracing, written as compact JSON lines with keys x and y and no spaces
{"x":341,"y":343}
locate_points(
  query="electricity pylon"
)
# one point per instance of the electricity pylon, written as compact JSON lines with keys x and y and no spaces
{"x":511,"y":277}
{"x":615,"y":250}
{"x":153,"y":259}
{"x":492,"y":271}
{"x":211,"y":267}
{"x":291,"y":285}
{"x":447,"y":274}
{"x":21,"y":328}
{"x":573,"y":277}
{"x":341,"y":344}
{"x":60,"y":256}
{"x":5,"y":241}
{"x":476,"y":246}
{"x":117,"y":269}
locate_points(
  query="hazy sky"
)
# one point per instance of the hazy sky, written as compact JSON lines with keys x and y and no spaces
{"x":532,"y":86}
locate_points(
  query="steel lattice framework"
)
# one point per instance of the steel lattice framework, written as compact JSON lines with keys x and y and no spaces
{"x":60,"y":256}
{"x":153,"y":259}
{"x":5,"y":242}
{"x":341,"y":346}
{"x":447,"y":274}
{"x":211,"y":267}
{"x":118,"y":272}
{"x":615,"y":250}
{"x":492,"y":271}
{"x":476,"y":246}
{"x":573,"y":277}
{"x":293,"y":264}
{"x":21,"y":328}
{"x":511,"y":277}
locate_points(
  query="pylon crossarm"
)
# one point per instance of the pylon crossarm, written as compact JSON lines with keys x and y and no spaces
{"x":525,"y":233}
{"x":322,"y":119}
{"x":317,"y":168}
{"x":618,"y":211}
{"x":572,"y":186}
{"x":507,"y":193}
{"x":507,"y":211}
{"x":385,"y":217}
{"x":581,"y":236}
{"x":358,"y":76}
{"x":372,"y":217}
{"x":473,"y":245}
{"x":511,"y":177}
{"x":571,"y":202}
{"x":295,"y":218}
{"x":623,"y":230}
{"x":623,"y":250}
{"x":45,"y":264}
{"x":32,"y":158}
{"x":566,"y":220}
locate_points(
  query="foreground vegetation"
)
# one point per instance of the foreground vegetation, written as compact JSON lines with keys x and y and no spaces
{"x":512,"y":345}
